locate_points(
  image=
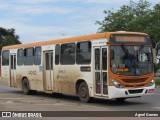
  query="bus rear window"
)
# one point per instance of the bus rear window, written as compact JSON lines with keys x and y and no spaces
{"x":5,"y":58}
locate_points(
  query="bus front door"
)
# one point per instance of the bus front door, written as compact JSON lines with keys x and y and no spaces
{"x":48,"y":80}
{"x":100,"y":58}
{"x":13,"y":70}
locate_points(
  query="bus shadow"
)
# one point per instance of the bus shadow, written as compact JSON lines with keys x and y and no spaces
{"x":95,"y":101}
{"x":113,"y":102}
{"x":74,"y":99}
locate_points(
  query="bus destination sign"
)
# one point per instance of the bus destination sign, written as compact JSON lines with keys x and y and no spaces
{"x":128,"y":38}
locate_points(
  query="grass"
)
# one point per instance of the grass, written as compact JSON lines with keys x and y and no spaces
{"x":157,"y":81}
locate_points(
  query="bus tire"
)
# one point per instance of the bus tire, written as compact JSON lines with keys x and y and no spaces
{"x":83,"y":93}
{"x":120,"y":100}
{"x":26,"y":89}
{"x":33,"y":92}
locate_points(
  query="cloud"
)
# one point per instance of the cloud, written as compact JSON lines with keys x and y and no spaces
{"x":39,"y":10}
{"x":78,"y":21}
{"x":31,"y":2}
{"x":31,"y":33}
{"x":34,"y":7}
{"x":113,"y":2}
{"x":36,"y":20}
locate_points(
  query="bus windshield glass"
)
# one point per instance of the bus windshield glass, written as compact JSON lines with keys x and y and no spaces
{"x":131,"y":60}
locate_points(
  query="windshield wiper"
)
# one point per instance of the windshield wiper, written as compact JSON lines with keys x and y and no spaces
{"x":125,"y":50}
{"x":141,"y":48}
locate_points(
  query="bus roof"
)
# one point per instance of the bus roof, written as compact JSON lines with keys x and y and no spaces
{"x":67,"y":40}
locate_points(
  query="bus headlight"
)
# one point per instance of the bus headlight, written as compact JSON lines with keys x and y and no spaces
{"x":116,"y":83}
{"x":150,"y":83}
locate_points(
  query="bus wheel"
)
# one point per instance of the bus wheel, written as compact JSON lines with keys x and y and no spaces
{"x":25,"y":88}
{"x":83,"y":92}
{"x":33,"y":92}
{"x":120,"y":100}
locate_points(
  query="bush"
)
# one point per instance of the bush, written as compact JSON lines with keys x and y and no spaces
{"x":157,"y":81}
{"x":156,"y":67}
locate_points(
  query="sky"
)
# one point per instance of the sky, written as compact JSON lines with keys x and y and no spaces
{"x":38,"y":20}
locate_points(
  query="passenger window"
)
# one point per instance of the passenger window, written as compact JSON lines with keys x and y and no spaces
{"x":37,"y":57}
{"x":20,"y":57}
{"x":28,"y":56}
{"x":57,"y":52}
{"x":97,"y":59}
{"x":5,"y":58}
{"x":47,"y":61}
{"x":83,"y":53}
{"x":104,"y":58}
{"x":67,"y":54}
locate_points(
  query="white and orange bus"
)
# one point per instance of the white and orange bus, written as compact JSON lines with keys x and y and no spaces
{"x":111,"y":65}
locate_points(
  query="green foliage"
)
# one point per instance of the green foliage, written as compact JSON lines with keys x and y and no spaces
{"x":156,"y":66}
{"x":8,"y":37}
{"x":139,"y":17}
{"x":157,"y":81}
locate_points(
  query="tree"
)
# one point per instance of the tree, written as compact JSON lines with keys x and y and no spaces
{"x":139,"y":17}
{"x":8,"y":37}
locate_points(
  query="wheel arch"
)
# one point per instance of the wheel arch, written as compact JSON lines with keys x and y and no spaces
{"x":23,"y":79}
{"x":78,"y":82}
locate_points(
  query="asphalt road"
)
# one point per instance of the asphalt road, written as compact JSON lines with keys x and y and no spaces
{"x":12,"y":99}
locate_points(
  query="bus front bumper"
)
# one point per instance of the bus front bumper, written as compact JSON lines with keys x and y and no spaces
{"x":130,"y":92}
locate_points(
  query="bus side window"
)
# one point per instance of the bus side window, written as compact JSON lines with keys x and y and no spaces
{"x":57,"y":52}
{"x":20,"y":57}
{"x":83,"y":53}
{"x":37,"y":57}
{"x":5,"y":58}
{"x":28,"y":56}
{"x":67,"y":54}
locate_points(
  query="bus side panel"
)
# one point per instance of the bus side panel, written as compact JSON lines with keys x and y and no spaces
{"x":33,"y":74}
{"x":19,"y":76}
{"x":66,"y":77}
{"x":87,"y":76}
{"x":5,"y":77}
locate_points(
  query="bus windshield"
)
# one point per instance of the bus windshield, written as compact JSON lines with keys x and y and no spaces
{"x":131,"y":60}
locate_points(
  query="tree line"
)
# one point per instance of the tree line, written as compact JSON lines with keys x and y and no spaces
{"x":8,"y":37}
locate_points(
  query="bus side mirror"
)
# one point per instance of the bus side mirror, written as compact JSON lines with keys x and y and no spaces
{"x":112,"y":54}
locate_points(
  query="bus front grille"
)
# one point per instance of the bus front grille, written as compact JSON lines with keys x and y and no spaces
{"x":135,"y":86}
{"x":139,"y":80}
{"x":135,"y":91}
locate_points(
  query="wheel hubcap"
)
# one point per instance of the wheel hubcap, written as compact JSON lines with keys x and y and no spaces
{"x":83,"y":92}
{"x":25,"y":87}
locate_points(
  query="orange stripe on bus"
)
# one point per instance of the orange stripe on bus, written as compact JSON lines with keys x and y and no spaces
{"x":68,"y":40}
